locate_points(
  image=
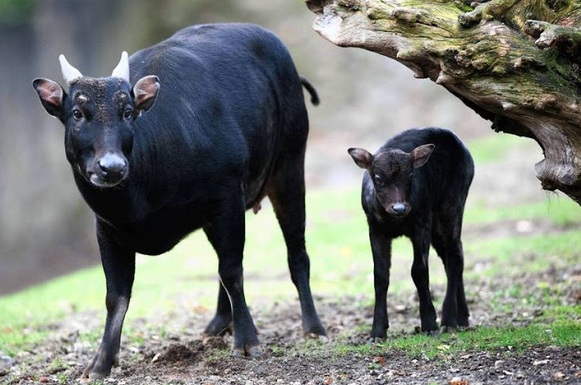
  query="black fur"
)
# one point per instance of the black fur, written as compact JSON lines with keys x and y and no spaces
{"x":227,"y":127}
{"x":424,"y":202}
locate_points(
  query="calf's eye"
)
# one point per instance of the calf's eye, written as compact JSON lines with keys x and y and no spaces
{"x":128,"y":113}
{"x":77,"y":114}
{"x":378,"y":181}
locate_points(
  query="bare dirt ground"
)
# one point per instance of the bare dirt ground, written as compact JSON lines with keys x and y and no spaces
{"x":179,"y":355}
{"x":169,"y":348}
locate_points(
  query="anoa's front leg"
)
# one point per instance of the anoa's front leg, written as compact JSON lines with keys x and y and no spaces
{"x":119,"y":267}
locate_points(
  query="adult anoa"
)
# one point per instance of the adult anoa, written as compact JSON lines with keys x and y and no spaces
{"x":416,"y":185}
{"x":189,"y":134}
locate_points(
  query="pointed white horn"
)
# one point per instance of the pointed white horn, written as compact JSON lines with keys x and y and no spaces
{"x":122,"y":69}
{"x":70,"y":73}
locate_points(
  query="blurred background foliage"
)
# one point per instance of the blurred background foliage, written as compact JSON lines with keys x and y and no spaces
{"x":47,"y":230}
{"x":15,"y":12}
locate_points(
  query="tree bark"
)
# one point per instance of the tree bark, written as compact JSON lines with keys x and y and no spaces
{"x":514,"y":62}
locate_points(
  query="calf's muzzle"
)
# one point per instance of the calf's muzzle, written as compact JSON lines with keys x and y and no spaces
{"x":399,"y":209}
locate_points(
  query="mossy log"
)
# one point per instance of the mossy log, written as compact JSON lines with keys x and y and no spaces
{"x":514,"y":62}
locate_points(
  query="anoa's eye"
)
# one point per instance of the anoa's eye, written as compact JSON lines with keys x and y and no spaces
{"x":128,"y":113}
{"x":77,"y":114}
{"x":378,"y":181}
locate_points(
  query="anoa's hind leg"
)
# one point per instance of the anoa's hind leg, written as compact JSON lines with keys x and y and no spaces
{"x":226,"y":233}
{"x":286,"y":191}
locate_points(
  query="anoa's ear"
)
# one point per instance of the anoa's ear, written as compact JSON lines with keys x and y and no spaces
{"x":362,"y":157}
{"x":421,"y":154}
{"x":145,"y":92}
{"x":51,"y":96}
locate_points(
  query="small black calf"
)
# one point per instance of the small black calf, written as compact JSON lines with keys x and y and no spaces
{"x":416,"y":185}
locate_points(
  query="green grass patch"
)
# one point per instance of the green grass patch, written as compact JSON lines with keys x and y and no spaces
{"x":517,"y":339}
{"x":14,"y":339}
{"x":531,"y":253}
{"x":450,"y":345}
{"x":491,"y":148}
{"x":561,"y":211}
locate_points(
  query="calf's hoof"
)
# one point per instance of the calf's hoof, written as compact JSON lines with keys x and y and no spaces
{"x":316,"y":332}
{"x":448,"y":329}
{"x":313,"y":326}
{"x":376,"y":340}
{"x":322,"y":338}
{"x":90,"y":375}
{"x":248,"y":351}
{"x":98,"y":368}
{"x":463,"y":322}
{"x":428,"y":332}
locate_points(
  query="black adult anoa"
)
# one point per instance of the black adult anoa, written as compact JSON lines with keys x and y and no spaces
{"x":416,"y":185}
{"x":183,"y":135}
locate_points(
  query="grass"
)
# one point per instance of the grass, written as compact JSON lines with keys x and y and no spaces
{"x":492,"y":147}
{"x":451,"y":346}
{"x":341,"y":266}
{"x":561,"y":211}
{"x":517,"y":339}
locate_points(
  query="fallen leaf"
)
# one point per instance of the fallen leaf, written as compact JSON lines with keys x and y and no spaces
{"x":393,"y":373}
{"x":540,"y":362}
{"x":559,"y":376}
{"x":401,"y":309}
{"x":380,"y":360}
{"x":459,"y":381}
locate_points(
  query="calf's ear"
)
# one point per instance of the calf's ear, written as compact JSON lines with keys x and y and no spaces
{"x":421,"y":154}
{"x":51,"y":96}
{"x":361,"y":157}
{"x":145,"y":92}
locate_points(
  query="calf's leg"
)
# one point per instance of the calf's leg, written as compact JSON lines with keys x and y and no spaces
{"x":454,"y":308}
{"x":421,"y":278}
{"x":226,"y":234}
{"x":381,"y":250}
{"x":119,"y":267}
{"x":463,"y":313}
{"x":448,"y":245}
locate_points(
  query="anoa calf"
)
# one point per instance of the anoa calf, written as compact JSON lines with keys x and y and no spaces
{"x":416,"y":185}
{"x":189,"y":134}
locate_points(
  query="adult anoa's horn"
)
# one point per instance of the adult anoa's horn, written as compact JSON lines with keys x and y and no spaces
{"x":70,"y":73}
{"x":122,"y":69}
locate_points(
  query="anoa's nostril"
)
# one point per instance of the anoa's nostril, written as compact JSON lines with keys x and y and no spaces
{"x":398,"y":208}
{"x":112,"y":164}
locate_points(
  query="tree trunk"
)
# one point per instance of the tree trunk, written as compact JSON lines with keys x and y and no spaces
{"x":514,"y":62}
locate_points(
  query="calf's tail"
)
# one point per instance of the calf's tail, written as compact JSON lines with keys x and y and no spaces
{"x":312,"y":91}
